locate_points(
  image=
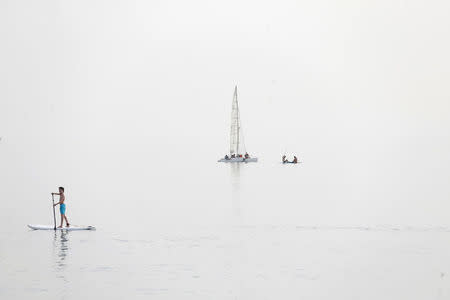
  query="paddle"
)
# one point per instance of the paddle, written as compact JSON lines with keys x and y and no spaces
{"x":54,"y":217}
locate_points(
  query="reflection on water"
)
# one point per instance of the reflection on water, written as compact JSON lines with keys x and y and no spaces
{"x":61,"y":250}
{"x":235,"y":178}
{"x":239,"y":251}
{"x":235,"y":171}
{"x":235,"y":188}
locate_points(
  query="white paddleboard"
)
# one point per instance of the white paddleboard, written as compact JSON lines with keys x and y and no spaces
{"x":51,"y":227}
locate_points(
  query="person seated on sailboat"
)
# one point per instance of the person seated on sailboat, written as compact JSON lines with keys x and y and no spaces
{"x":283,"y":159}
{"x":295,"y":160}
{"x":233,"y":155}
{"x":246,"y":155}
{"x":226,"y":157}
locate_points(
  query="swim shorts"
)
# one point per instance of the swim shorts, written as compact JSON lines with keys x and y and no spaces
{"x":62,"y":209}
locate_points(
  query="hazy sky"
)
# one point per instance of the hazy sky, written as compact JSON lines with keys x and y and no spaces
{"x":359,"y":89}
{"x":350,"y":68}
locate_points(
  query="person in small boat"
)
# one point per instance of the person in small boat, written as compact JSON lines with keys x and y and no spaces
{"x":233,"y":155}
{"x":240,"y":155}
{"x":246,"y":155}
{"x":295,"y":160}
{"x":283,"y":159}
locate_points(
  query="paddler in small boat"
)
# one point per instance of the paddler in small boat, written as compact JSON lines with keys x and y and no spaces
{"x":295,"y":160}
{"x":226,"y":157}
{"x":283,"y":159}
{"x":246,"y":155}
{"x":62,"y":206}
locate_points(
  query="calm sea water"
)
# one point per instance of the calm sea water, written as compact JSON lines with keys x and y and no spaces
{"x":197,"y":229}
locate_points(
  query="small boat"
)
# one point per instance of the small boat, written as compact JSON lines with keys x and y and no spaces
{"x":285,"y":161}
{"x":237,"y":146}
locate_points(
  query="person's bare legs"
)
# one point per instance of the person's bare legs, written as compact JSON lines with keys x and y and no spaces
{"x":67,"y":222}
{"x":62,"y":218}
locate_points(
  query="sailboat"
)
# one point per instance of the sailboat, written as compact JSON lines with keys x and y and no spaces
{"x":237,"y":145}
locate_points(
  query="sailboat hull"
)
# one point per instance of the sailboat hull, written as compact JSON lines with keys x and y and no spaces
{"x":239,"y":159}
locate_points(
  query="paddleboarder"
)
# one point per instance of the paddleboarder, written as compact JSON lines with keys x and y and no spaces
{"x":62,"y":206}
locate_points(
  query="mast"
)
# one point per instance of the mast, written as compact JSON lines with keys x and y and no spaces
{"x":238,"y":119}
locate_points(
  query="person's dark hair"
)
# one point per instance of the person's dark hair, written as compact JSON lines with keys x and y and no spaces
{"x":61,"y":188}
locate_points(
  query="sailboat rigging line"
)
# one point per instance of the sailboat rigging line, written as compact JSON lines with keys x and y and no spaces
{"x":238,"y":120}
{"x":241,"y":133}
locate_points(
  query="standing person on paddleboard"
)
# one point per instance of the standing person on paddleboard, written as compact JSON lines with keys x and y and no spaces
{"x":62,"y":206}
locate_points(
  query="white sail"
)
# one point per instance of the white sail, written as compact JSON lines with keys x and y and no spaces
{"x":237,"y":146}
{"x":235,"y":124}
